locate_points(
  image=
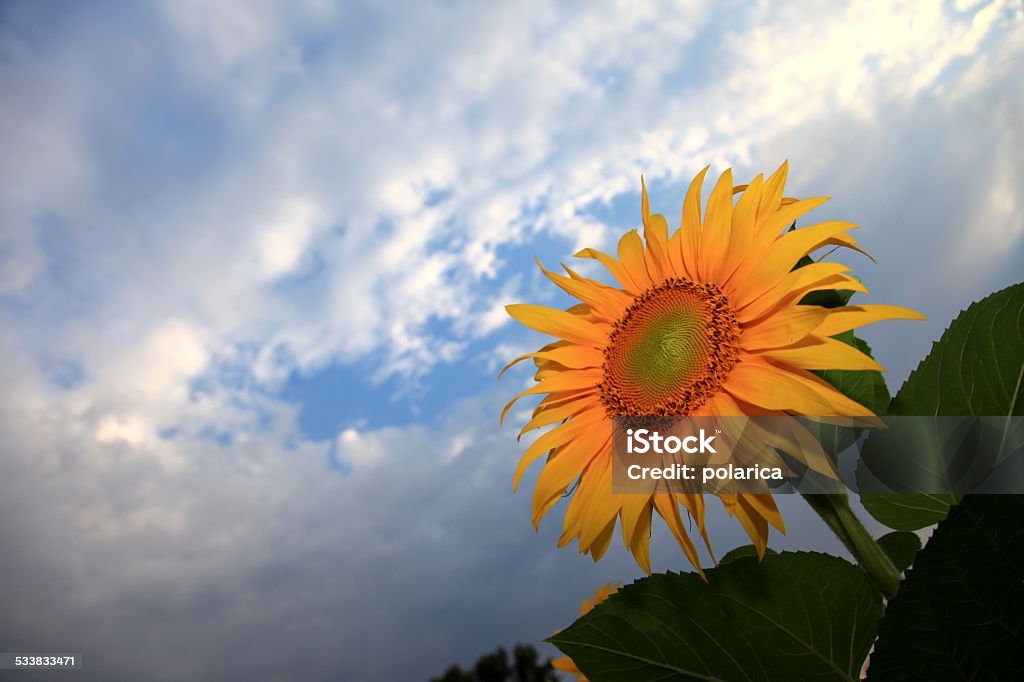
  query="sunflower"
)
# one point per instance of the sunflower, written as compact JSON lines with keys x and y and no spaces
{"x":566,"y":664}
{"x":706,"y":321}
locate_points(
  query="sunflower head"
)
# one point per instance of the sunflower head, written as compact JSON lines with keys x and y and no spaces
{"x":670,"y":351}
{"x":705,"y":321}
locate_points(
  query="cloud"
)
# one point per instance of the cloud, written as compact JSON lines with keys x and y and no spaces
{"x":360,"y":201}
{"x":253,"y":561}
{"x":200,"y":200}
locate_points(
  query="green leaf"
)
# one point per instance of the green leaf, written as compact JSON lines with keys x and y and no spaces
{"x":900,"y":546}
{"x":959,"y":614}
{"x":975,"y":369}
{"x":908,"y":512}
{"x":792,"y":616}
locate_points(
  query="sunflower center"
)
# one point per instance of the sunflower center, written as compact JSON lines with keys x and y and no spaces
{"x":670,"y":351}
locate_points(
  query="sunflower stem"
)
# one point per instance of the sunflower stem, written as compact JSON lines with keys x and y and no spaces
{"x":835,"y":511}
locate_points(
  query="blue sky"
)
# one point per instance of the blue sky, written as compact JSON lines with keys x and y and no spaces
{"x":253,"y":265}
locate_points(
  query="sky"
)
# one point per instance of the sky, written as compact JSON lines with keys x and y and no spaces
{"x":254,"y":259}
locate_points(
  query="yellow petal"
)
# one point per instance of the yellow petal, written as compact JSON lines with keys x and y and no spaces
{"x":764,"y":506}
{"x":561,"y":379}
{"x":756,"y":527}
{"x":723,"y":405}
{"x":656,"y":237}
{"x":636,"y":528}
{"x":631,"y":254}
{"x":847,"y":242}
{"x":573,"y":357}
{"x":690,"y":226}
{"x":815,"y":352}
{"x":771,"y":198}
{"x":795,"y":391}
{"x":775,"y":223}
{"x":602,"y":507}
{"x":586,"y":491}
{"x":645,"y":205}
{"x":560,"y":435}
{"x":833,"y":282}
{"x":614,"y":294}
{"x":602,"y":542}
{"x":744,"y":221}
{"x":556,"y":399}
{"x":565,"y":466}
{"x":780,"y":257}
{"x":791,"y":437}
{"x":668,"y":508}
{"x":559,"y":323}
{"x":572,"y":386}
{"x":603,"y":301}
{"x":840,"y":320}
{"x":573,"y":513}
{"x":752,"y":307}
{"x":656,"y":255}
{"x":618,"y":271}
{"x":565,"y":664}
{"x":552,"y":415}
{"x":675,"y":255}
{"x":784,"y":328}
{"x":717,"y":227}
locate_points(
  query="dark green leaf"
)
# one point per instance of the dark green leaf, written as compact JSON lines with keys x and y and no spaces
{"x":900,"y":546}
{"x":908,"y":512}
{"x":794,"y":616}
{"x":975,"y":369}
{"x":959,"y":614}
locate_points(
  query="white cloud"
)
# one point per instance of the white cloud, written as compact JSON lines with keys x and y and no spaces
{"x":505,"y":142}
{"x":169,"y":356}
{"x":131,"y":429}
{"x":285,"y":240}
